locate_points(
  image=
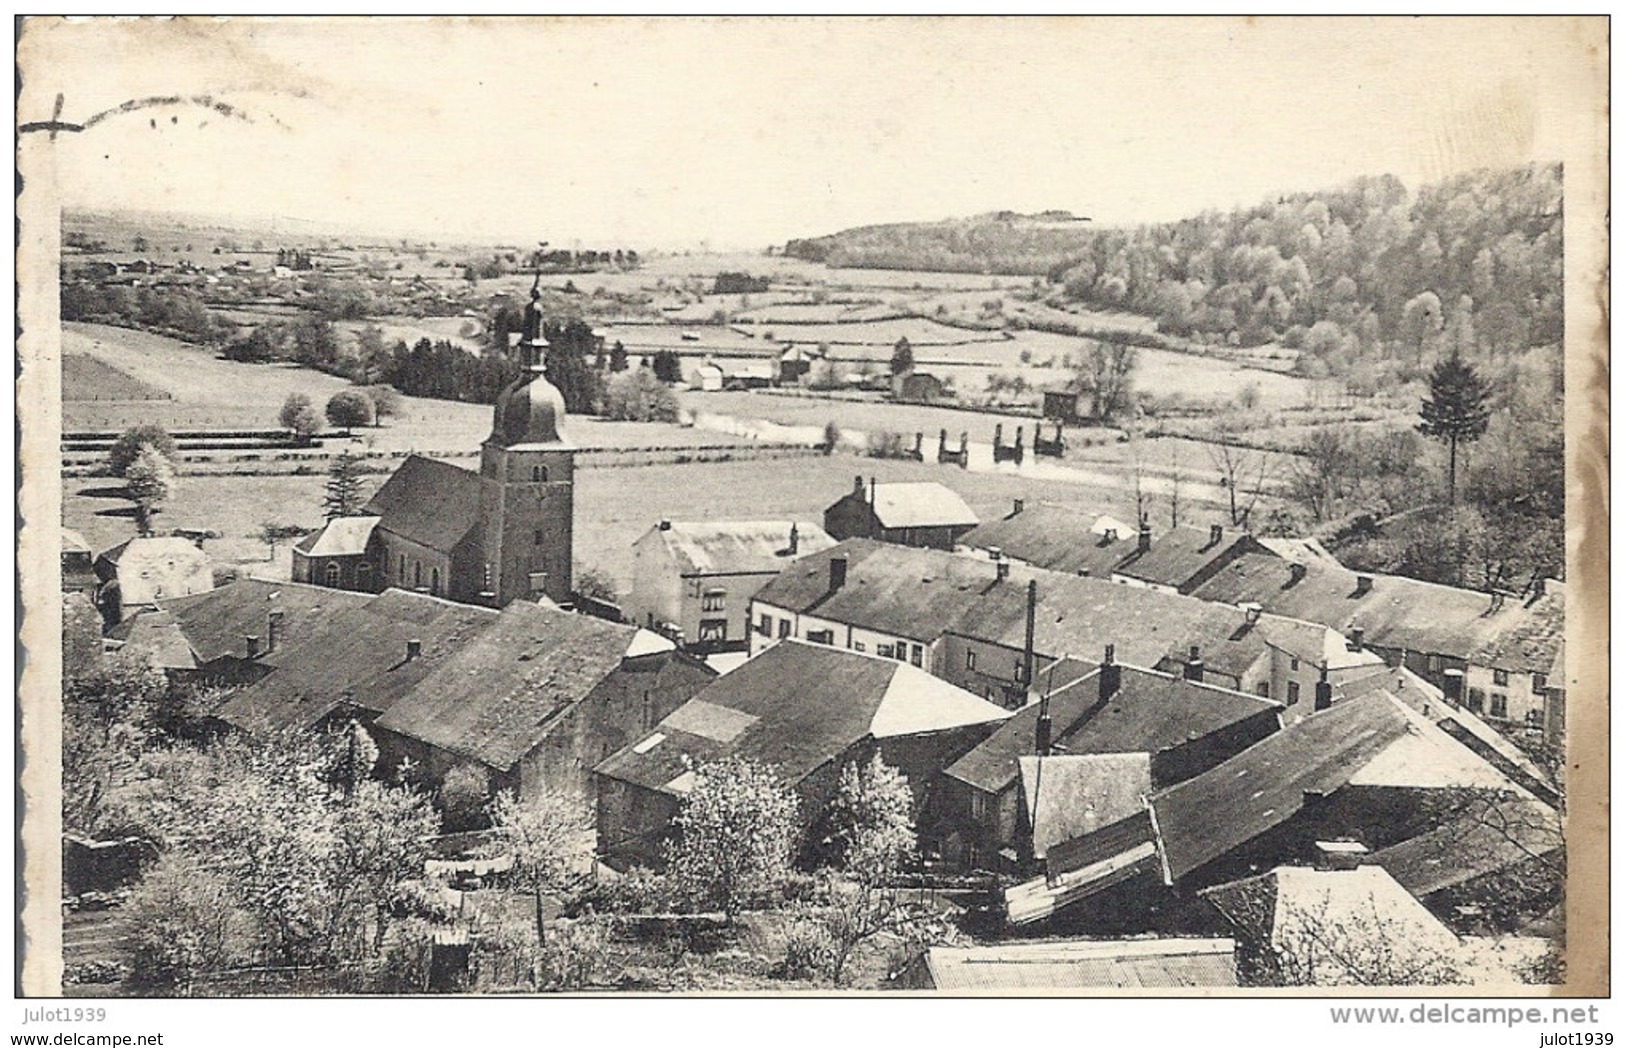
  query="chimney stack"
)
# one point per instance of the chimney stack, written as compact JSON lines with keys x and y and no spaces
{"x":252,"y":644}
{"x":1362,"y":585}
{"x":1193,"y":664}
{"x":1215,"y":534}
{"x":795,"y":540}
{"x":1338,"y":855}
{"x":538,"y":585}
{"x":1032,"y":621}
{"x":837,"y":572}
{"x":998,"y":435}
{"x":919,"y":441}
{"x":872,"y":490}
{"x":1323,"y":692}
{"x":1002,"y":566}
{"x":1298,"y":570}
{"x":1017,"y":506}
{"x":273,"y":628}
{"x":1111,"y":675}
{"x":1356,"y":638}
{"x":942,"y":441}
{"x":1145,"y":535}
{"x":857,"y":485}
{"x":964,"y":443}
{"x":414,"y":649}
{"x":1041,"y":740}
{"x":665,"y":525}
{"x":1254,"y":612}
{"x":1452,"y":686}
{"x":1018,"y":438}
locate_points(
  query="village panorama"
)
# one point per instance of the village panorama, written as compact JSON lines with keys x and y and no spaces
{"x":1006,"y":603}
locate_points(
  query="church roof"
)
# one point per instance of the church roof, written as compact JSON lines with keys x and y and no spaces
{"x":432,"y":503}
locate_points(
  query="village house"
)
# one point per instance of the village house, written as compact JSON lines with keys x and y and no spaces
{"x":923,"y":514}
{"x":1501,"y":646}
{"x":918,"y":387}
{"x":140,"y":572}
{"x":1180,"y":559}
{"x":536,"y":699}
{"x":706,"y":377}
{"x":1056,"y":538}
{"x":806,"y":711}
{"x":1178,"y":728}
{"x":693,"y":581}
{"x":1059,"y":967}
{"x":505,"y":533}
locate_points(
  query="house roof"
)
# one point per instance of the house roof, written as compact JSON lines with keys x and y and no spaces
{"x":796,"y":707}
{"x":1345,"y":925}
{"x":430,"y":502}
{"x":1150,"y":712}
{"x":1070,"y":795}
{"x":1119,"y":964}
{"x":339,"y":537}
{"x":150,"y":569}
{"x":156,"y":634}
{"x":355,"y":655}
{"x":920,"y":504}
{"x":500,"y":695}
{"x":216,"y":623}
{"x":1060,"y":538}
{"x":1178,"y":555}
{"x":1398,"y":612}
{"x":1531,"y":641}
{"x":737,"y":547}
{"x":73,"y":542}
{"x":1511,"y":831}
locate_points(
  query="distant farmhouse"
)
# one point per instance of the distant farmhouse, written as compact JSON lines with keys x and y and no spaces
{"x":139,"y":572}
{"x":503,"y":534}
{"x":924,"y":513}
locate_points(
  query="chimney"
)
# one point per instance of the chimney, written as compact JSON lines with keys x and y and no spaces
{"x":1002,"y":566}
{"x":538,"y":585}
{"x":1537,"y":588}
{"x":998,"y":435}
{"x":1041,"y":740}
{"x":1338,"y":855}
{"x":1032,"y":621}
{"x":1018,"y":438}
{"x":942,"y":441}
{"x":1254,"y":611}
{"x":1356,"y":638}
{"x":1111,"y":675}
{"x":919,"y":440}
{"x":1215,"y":534}
{"x":857,"y":485}
{"x":1323,"y":692}
{"x":1362,"y":585}
{"x":1017,"y":506}
{"x":252,"y":644}
{"x":665,"y":525}
{"x":1145,"y":535}
{"x":964,"y":441}
{"x":872,"y":487}
{"x":1452,"y":686}
{"x":1193,"y":664}
{"x":1298,"y":570}
{"x":414,"y":649}
{"x":795,"y":540}
{"x":273,"y":628}
{"x":837,"y":572}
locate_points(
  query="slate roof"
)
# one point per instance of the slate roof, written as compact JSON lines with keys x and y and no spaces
{"x":1179,"y":555}
{"x":795,"y":707}
{"x":150,"y":569}
{"x":737,"y":547}
{"x":920,"y":504}
{"x":216,"y":623}
{"x":339,"y":537}
{"x":1118,"y":964}
{"x":1151,"y":712}
{"x":497,"y":697}
{"x":1059,"y":538}
{"x":1515,"y":831}
{"x":1070,"y":795}
{"x":355,"y":655}
{"x":1263,"y":786}
{"x":1398,"y":612}
{"x":157,"y":635}
{"x":430,"y":502}
{"x":1531,"y":642}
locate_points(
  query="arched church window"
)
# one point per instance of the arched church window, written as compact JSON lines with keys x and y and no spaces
{"x":434,"y":582}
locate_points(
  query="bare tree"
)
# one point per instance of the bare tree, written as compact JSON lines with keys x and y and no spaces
{"x":1243,"y":471}
{"x":1106,"y":374}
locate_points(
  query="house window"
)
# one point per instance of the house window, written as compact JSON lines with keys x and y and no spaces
{"x":821,"y":636}
{"x":916,"y":655}
{"x":858,"y":645}
{"x":434,"y":581}
{"x":883,"y":650}
{"x":332,"y":573}
{"x":1500,"y":678}
{"x":1294,"y":664}
{"x":1475,"y":700}
{"x":417,"y":574}
{"x":764,"y":625}
{"x":978,"y":805}
{"x":538,"y":474}
{"x":1263,"y":689}
{"x":1435,"y":664}
{"x":784,"y":628}
{"x":1498,"y":705}
{"x":1535,"y":718}
{"x":970,"y":660}
{"x":714,"y":600}
{"x":1537,"y":682}
{"x":400,"y":576}
{"x":1291,"y":692}
{"x":713,"y":631}
{"x":363,"y":576}
{"x":539,"y":536}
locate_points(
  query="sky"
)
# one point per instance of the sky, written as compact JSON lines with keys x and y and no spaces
{"x":747,"y":132}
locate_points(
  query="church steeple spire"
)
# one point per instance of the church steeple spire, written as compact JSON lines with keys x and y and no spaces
{"x":529,"y":410}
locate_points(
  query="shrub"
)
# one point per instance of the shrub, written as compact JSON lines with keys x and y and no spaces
{"x":637,"y":395}
{"x":349,"y":408}
{"x":129,"y":444}
{"x":809,"y":949}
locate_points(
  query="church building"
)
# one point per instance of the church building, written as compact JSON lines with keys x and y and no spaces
{"x":492,"y":537}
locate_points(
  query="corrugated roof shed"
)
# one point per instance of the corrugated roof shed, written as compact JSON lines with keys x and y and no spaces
{"x":339,"y":537}
{"x":1059,"y":538}
{"x":726,"y":547}
{"x":920,"y":504}
{"x":795,"y":707}
{"x":216,"y":623}
{"x":1150,"y":712}
{"x":1263,"y":786}
{"x":356,"y":656}
{"x":1120,"y":964}
{"x":1070,"y":795}
{"x":430,"y":502}
{"x":1180,"y":554}
{"x":496,"y":699}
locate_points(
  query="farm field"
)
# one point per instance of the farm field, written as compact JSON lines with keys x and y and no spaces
{"x":84,"y":377}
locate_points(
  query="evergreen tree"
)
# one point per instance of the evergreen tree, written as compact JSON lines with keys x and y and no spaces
{"x":344,"y":496}
{"x":902,"y":357}
{"x":1457,"y":408}
{"x":148,"y":483}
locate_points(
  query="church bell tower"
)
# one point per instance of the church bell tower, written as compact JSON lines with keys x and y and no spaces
{"x":527,"y":483}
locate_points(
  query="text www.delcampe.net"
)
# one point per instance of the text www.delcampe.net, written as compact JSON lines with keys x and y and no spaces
{"x":1478,"y":1015}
